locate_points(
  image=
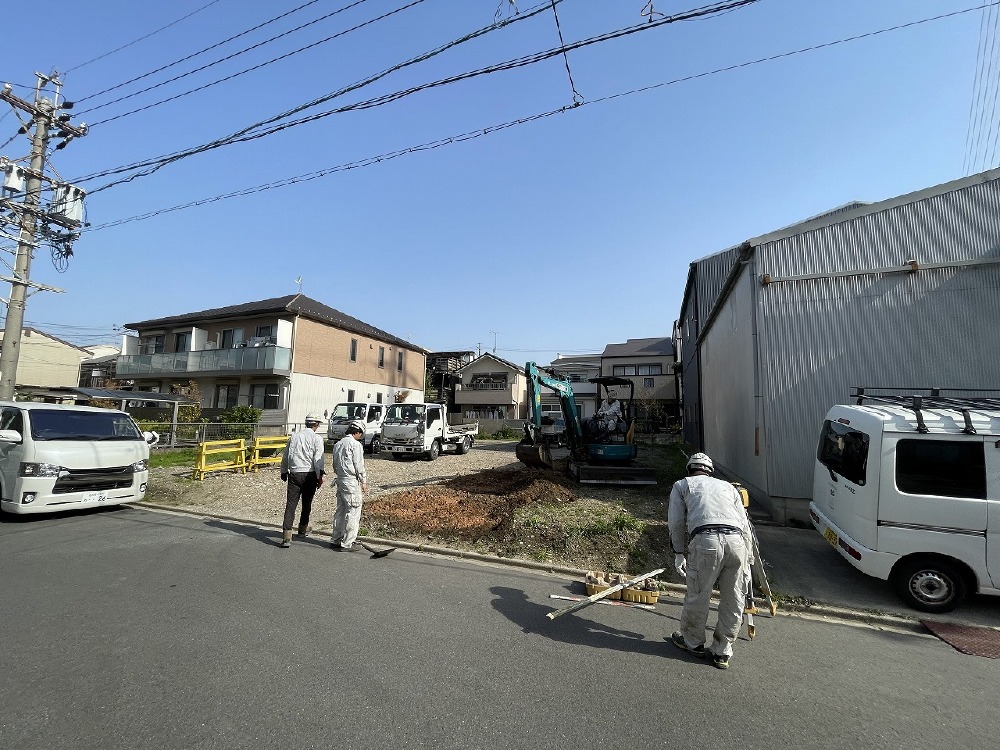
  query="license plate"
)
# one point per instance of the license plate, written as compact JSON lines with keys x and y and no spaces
{"x":95,"y":497}
{"x":831,"y":537}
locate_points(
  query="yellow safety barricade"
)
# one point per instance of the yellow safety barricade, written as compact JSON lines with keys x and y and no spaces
{"x":237,"y":458}
{"x":267,"y":450}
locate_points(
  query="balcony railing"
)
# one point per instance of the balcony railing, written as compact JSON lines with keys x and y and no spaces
{"x":243,"y":359}
{"x":485,"y":386}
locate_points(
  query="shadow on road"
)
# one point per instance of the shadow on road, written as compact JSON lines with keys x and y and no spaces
{"x":271,"y":537}
{"x":578,"y":630}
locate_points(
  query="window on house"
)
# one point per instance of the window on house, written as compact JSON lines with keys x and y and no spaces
{"x":231,"y":337}
{"x":654,"y":369}
{"x":350,"y":395}
{"x":381,"y":356}
{"x":945,"y":468}
{"x":153,"y":344}
{"x":378,"y":398}
{"x":264,"y":332}
{"x":399,"y":361}
{"x":226,"y":396}
{"x":354,"y":354}
{"x":182,"y":342}
{"x":264,"y":395}
{"x":623,"y":371}
{"x":575,"y":377}
{"x":648,"y":382}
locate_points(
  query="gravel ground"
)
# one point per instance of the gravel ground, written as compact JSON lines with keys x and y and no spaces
{"x":260,"y":496}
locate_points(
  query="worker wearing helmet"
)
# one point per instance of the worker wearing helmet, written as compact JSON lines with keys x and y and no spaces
{"x":302,"y":469}
{"x":710,"y":535}
{"x":352,"y":483}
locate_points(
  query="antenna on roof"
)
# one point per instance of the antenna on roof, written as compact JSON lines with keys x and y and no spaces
{"x":298,"y":281}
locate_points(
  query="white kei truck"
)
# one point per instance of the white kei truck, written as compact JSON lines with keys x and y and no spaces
{"x":56,"y":457}
{"x":907,"y":489}
{"x":423,"y":430}
{"x":370,"y":415}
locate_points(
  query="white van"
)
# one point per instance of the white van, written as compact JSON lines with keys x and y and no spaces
{"x":55,"y":457}
{"x":907,"y":489}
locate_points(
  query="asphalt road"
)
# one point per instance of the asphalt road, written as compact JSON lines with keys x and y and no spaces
{"x":134,"y":629}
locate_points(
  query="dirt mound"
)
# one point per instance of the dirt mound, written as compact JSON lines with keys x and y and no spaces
{"x":470,"y":506}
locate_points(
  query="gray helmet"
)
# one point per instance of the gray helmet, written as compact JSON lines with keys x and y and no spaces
{"x":700,"y":461}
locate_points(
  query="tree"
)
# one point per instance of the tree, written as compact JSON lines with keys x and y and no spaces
{"x":188,"y":413}
{"x":400,"y":396}
{"x":245,"y":418}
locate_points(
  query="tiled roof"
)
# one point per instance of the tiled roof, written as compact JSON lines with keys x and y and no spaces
{"x":656,"y":347}
{"x":296,"y":304}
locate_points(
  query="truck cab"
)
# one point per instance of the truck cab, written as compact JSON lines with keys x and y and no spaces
{"x":370,"y":415}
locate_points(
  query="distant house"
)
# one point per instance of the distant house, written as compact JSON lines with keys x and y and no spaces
{"x":897,"y":294}
{"x":287,"y":356}
{"x":442,"y":375}
{"x":44,"y":360}
{"x":492,"y":388}
{"x":99,"y":372}
{"x":649,"y":364}
{"x":578,"y":370}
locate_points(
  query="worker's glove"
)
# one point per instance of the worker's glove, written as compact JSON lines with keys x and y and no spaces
{"x":680,"y":563}
{"x":284,"y":476}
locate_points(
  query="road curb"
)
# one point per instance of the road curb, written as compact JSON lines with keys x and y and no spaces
{"x":786,"y":608}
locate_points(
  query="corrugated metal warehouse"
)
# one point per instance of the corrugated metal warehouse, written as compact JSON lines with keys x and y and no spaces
{"x":903,"y":293}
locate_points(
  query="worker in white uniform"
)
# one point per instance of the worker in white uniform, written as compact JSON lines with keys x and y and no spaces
{"x":302,"y":469}
{"x":352,"y":483}
{"x":710,"y":535}
{"x":608,"y":417}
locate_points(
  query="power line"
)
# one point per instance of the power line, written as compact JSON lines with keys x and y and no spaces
{"x":195,"y":54}
{"x":142,"y":38}
{"x":165,"y":159}
{"x":231,"y":57}
{"x":152,"y":166}
{"x":489,"y":130}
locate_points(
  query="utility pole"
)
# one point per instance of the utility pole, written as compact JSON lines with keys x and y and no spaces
{"x":34,"y":222}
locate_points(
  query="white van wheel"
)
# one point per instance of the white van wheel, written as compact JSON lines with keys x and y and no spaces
{"x":929,"y":584}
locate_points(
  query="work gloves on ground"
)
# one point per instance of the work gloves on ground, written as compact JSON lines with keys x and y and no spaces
{"x":681,"y":565}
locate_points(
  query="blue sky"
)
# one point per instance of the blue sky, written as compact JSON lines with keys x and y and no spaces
{"x":562,"y":234}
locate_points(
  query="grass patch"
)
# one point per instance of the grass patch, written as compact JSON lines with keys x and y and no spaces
{"x":173,"y":457}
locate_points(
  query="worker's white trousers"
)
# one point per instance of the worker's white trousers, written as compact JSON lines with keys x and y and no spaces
{"x":347,"y":517}
{"x":715,"y":559}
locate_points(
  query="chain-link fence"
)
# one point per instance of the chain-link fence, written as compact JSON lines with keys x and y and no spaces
{"x":192,"y":433}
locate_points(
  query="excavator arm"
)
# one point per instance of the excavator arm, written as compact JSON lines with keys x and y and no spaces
{"x":533,"y":450}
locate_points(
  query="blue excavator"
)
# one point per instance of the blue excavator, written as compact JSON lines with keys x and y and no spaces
{"x":600,"y":452}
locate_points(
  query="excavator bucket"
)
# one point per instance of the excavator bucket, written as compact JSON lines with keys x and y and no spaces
{"x":532,"y":454}
{"x":611,"y":474}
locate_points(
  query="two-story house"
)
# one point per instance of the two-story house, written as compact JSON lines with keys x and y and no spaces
{"x":287,"y":356}
{"x":578,"y":369}
{"x":44,"y":360}
{"x":649,"y":364}
{"x":492,"y":388}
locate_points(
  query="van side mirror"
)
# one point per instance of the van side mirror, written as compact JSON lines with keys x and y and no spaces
{"x":10,"y":436}
{"x":151,"y":437}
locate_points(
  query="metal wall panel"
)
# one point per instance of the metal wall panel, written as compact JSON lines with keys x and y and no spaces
{"x":819,"y":338}
{"x":730,"y":406}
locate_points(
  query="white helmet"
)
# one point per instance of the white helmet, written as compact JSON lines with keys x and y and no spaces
{"x":700,"y":461}
{"x":313,"y":417}
{"x":355,"y":427}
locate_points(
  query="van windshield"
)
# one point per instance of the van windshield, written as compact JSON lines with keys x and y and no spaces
{"x":844,"y":451}
{"x":56,"y":424}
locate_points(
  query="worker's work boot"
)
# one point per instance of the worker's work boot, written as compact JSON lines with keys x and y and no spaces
{"x":286,"y":539}
{"x":304,"y":531}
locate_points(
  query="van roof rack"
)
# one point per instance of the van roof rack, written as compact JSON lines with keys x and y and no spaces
{"x":946,"y":399}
